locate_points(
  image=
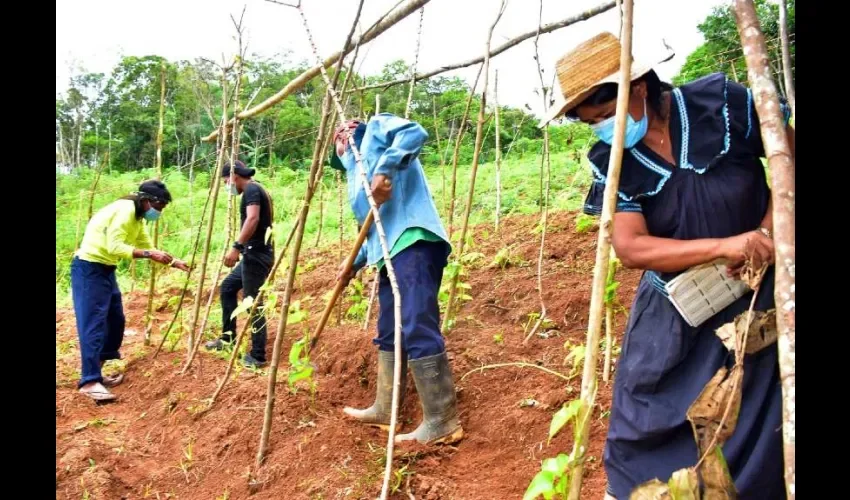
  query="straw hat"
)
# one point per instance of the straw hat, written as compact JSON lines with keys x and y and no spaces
{"x":592,"y":63}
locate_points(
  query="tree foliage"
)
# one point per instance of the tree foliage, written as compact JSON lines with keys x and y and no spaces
{"x":722,"y":51}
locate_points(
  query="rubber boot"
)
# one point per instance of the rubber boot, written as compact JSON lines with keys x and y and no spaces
{"x":435,"y":385}
{"x":378,"y":415}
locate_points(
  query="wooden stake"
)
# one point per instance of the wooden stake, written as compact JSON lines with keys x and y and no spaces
{"x":782,"y":169}
{"x":159,"y":134}
{"x":786,"y":56}
{"x":479,"y":135}
{"x":603,"y":246}
{"x":456,"y":154}
{"x":498,"y":210}
{"x":415,"y":62}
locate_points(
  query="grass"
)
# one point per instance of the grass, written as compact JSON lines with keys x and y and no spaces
{"x":520,"y":191}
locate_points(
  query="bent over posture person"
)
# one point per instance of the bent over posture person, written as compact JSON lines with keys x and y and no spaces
{"x":257,"y":251}
{"x":115,"y":232}
{"x":390,"y":146}
{"x":692,"y":191}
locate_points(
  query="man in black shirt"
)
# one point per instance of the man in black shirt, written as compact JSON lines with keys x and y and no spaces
{"x":255,"y":245}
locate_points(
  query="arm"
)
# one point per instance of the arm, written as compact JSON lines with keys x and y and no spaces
{"x":403,"y":140}
{"x":360,"y":260}
{"x":252,"y":220}
{"x":637,"y":249}
{"x":117,"y":236}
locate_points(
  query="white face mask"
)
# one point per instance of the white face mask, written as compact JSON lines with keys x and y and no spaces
{"x":233,"y":190}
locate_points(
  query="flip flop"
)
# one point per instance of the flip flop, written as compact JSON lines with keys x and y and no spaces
{"x":113,"y":380}
{"x":98,"y":393}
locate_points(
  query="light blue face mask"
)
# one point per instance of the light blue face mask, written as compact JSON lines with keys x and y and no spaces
{"x":635,"y":130}
{"x":233,"y":190}
{"x":152,"y":214}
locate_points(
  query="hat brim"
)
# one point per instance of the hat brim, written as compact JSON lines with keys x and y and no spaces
{"x":562,"y":105}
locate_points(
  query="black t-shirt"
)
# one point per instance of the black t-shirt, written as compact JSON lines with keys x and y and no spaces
{"x":254,"y":195}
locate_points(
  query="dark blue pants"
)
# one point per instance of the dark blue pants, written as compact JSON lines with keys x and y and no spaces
{"x":419,"y":271}
{"x":100,"y":316}
{"x":248,"y":275}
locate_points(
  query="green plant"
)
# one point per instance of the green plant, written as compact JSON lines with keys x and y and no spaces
{"x":585,"y":223}
{"x":359,"y":302}
{"x":553,"y":480}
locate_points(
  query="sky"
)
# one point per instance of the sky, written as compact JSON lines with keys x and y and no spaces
{"x":92,"y":35}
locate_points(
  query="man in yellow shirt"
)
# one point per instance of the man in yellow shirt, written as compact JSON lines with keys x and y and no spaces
{"x":116,"y":231}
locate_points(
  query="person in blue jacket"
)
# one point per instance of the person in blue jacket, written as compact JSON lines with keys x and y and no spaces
{"x":389,"y":147}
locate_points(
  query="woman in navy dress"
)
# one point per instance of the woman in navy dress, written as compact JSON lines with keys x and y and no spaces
{"x":692,"y":190}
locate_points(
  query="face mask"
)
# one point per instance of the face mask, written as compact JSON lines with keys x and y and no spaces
{"x":233,"y":190}
{"x":635,"y":131}
{"x":152,"y":214}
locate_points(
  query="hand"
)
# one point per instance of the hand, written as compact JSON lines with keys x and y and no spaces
{"x":737,"y":249}
{"x":341,"y":275}
{"x":161,"y":257}
{"x":179,"y":264}
{"x":231,"y":258}
{"x":382,"y":189}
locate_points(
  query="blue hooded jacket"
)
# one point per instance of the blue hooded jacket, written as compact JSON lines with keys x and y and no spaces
{"x":390,"y":145}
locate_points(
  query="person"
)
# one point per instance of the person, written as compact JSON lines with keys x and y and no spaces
{"x":692,"y":190}
{"x":117,"y":231}
{"x":256,"y":248}
{"x":390,"y":146}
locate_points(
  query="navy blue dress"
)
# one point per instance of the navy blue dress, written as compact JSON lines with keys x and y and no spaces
{"x":718,"y":188}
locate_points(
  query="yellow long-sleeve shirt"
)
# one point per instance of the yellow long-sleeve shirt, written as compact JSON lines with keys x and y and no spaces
{"x":113,"y":233}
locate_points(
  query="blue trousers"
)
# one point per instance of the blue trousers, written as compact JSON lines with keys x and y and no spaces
{"x":100,"y":316}
{"x":419,"y":271}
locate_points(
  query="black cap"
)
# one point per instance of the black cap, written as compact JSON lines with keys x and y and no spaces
{"x":154,"y":190}
{"x":239,"y":169}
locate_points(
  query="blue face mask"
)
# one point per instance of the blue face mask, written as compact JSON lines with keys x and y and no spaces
{"x":635,"y":131}
{"x":152,"y":214}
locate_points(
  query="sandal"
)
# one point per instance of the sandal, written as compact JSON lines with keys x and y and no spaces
{"x":112,"y":380}
{"x":98,"y":393}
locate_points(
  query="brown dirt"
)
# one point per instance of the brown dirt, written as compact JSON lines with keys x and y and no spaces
{"x":153,"y":443}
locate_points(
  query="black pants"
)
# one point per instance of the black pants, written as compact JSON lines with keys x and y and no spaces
{"x":248,"y":275}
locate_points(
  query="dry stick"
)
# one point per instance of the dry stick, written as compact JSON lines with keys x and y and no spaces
{"x":216,"y":182}
{"x":548,"y":28}
{"x":516,"y":134}
{"x":476,"y":154}
{"x":387,"y":262}
{"x":388,"y":20}
{"x":437,"y":138}
{"x":159,"y":136}
{"x":519,"y":364}
{"x":781,"y":163}
{"x":456,"y":154}
{"x":326,"y":129}
{"x":415,"y":62}
{"x":600,"y":271}
{"x":79,"y":222}
{"x":95,"y":182}
{"x":321,"y":189}
{"x":340,"y":284}
{"x":544,"y":188}
{"x":498,"y":151}
{"x":786,"y":56}
{"x":195,"y":247}
{"x":372,"y":295}
{"x":443,"y":163}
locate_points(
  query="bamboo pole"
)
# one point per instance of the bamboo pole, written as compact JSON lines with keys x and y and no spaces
{"x":600,"y":271}
{"x":782,"y":169}
{"x":388,"y":20}
{"x":498,"y":160}
{"x":479,"y":135}
{"x":159,"y":135}
{"x":548,"y":28}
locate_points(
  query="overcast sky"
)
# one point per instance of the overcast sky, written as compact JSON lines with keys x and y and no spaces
{"x":93,"y":34}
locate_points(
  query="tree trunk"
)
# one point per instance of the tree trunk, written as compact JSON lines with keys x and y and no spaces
{"x":782,"y":169}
